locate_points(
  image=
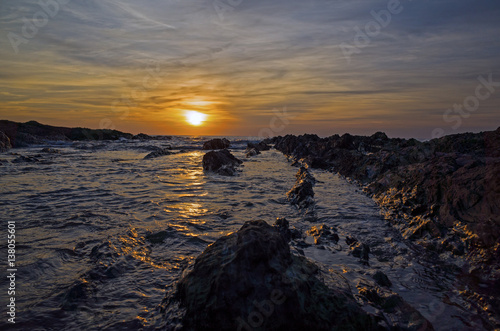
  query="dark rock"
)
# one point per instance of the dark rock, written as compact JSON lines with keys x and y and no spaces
{"x":397,"y":313}
{"x":5,"y":144}
{"x":142,"y":136}
{"x":261,"y":146}
{"x":284,"y":228}
{"x":446,"y":185}
{"x":250,"y":280}
{"x":221,"y":162}
{"x":216,"y":144}
{"x":32,"y":132}
{"x":158,"y":153}
{"x":358,"y":249}
{"x":302,"y":194}
{"x":323,"y":234}
{"x":382,"y":279}
{"x":252,"y":152}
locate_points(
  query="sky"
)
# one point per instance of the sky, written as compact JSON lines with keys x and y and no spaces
{"x":418,"y":69}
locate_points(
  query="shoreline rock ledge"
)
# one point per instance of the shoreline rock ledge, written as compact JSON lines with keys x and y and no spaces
{"x":221,"y":162}
{"x":249,"y":280}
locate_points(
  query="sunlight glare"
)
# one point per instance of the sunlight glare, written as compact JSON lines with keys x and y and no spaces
{"x":195,"y":118}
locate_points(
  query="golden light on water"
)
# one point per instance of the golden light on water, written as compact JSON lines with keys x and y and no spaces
{"x":195,"y":118}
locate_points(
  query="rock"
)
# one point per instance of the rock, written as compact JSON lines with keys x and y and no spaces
{"x":158,"y":153}
{"x":221,"y":162}
{"x":323,"y":234}
{"x":32,"y":132}
{"x":5,"y":144}
{"x":217,"y":144}
{"x":382,"y":279}
{"x":397,"y":313}
{"x":261,"y":146}
{"x":252,"y":152}
{"x":358,"y":249}
{"x":302,"y":194}
{"x":142,"y":136}
{"x":249,"y":280}
{"x":446,"y":185}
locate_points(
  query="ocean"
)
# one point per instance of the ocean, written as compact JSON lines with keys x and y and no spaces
{"x":102,"y":234}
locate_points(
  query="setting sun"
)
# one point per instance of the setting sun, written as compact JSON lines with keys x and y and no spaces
{"x":195,"y":118}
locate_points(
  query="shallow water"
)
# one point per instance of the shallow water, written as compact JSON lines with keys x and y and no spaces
{"x":102,"y":234}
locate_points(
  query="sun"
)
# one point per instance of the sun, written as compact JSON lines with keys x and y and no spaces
{"x":195,"y":118}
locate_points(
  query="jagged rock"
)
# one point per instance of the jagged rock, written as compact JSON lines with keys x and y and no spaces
{"x":5,"y":144}
{"x":302,"y":194}
{"x":397,"y":313}
{"x":249,"y":280}
{"x":255,"y":149}
{"x":252,"y":152}
{"x":216,"y":144}
{"x":382,"y":279}
{"x":323,"y":234}
{"x":261,"y":146}
{"x":158,"y":153}
{"x":32,"y":132}
{"x":436,"y":184}
{"x":221,"y":162}
{"x":360,"y":250}
{"x":142,"y":136}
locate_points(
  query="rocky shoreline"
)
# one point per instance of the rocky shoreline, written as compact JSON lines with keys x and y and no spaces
{"x":442,"y":194}
{"x":14,"y":134}
{"x":250,"y":280}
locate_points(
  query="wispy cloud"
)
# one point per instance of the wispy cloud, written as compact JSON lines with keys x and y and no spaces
{"x":263,"y":55}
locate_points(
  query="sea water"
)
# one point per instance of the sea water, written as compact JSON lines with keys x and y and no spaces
{"x":102,"y":234}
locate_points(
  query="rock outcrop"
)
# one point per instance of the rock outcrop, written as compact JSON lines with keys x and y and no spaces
{"x":302,"y":193}
{"x":160,"y":152}
{"x":255,"y":149}
{"x":221,"y":162}
{"x":443,"y":194}
{"x":30,"y":133}
{"x":216,"y":144}
{"x":5,"y":144}
{"x":249,"y":280}
{"x":142,"y":136}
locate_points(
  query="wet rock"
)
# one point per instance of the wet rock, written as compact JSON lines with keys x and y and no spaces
{"x":252,"y":152}
{"x":142,"y":136}
{"x":5,"y":144}
{"x":255,"y":149}
{"x":302,"y":194}
{"x":221,"y":162}
{"x":158,"y":153}
{"x":397,"y":313}
{"x":358,"y":249}
{"x":261,"y":146}
{"x":283,"y":227}
{"x":433,"y":185}
{"x":323,"y":234}
{"x":382,"y":279}
{"x":249,"y":280}
{"x":216,"y":144}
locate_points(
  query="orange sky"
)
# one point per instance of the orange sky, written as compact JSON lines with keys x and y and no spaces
{"x":262,"y":68}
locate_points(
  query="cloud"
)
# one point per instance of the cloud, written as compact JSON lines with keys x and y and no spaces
{"x":254,"y":57}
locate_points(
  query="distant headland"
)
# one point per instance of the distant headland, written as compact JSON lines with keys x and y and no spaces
{"x":14,"y":134}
